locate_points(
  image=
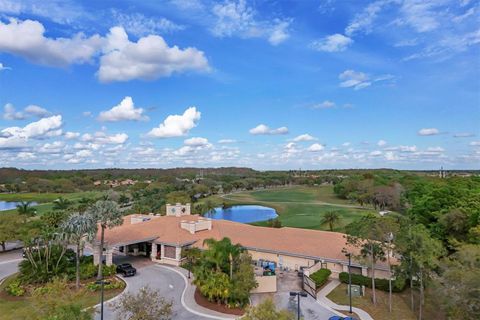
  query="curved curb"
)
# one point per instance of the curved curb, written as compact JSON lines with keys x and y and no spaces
{"x":183,"y":296}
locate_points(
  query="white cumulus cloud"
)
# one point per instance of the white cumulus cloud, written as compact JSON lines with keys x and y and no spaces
{"x":304,"y":137}
{"x":332,"y":43}
{"x":324,"y":105}
{"x":10,"y":113}
{"x":123,"y":111}
{"x":26,"y":39}
{"x":196,"y":141}
{"x":262,"y":129}
{"x":149,"y":58}
{"x":13,"y":137}
{"x":316,"y":147}
{"x":428,"y":131}
{"x":177,"y":125}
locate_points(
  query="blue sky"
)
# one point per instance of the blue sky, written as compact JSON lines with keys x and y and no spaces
{"x":264,"y":84}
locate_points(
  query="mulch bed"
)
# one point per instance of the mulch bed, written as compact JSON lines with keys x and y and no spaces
{"x":202,"y":301}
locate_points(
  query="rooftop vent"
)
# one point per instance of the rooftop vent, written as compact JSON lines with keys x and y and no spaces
{"x":195,"y":226}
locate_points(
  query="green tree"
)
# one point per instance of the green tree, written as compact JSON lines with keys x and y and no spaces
{"x":420,"y":256}
{"x":178,"y":197}
{"x":146,"y":304}
{"x":61,"y":204}
{"x":266,"y":310}
{"x":9,"y":228}
{"x":221,"y":253}
{"x":243,"y":280}
{"x":331,"y":218}
{"x":192,"y":256}
{"x":79,"y":228}
{"x":215,"y":286}
{"x":460,"y":283}
{"x":54,"y":218}
{"x":108,"y":215}
{"x":25,"y":209}
{"x":208,"y":206}
{"x":367,"y":235}
{"x":84,"y":203}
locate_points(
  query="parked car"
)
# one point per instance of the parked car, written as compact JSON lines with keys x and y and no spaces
{"x":341,"y":318}
{"x":126,"y":269}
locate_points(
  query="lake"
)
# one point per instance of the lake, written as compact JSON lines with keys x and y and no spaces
{"x":8,"y":205}
{"x":243,"y":213}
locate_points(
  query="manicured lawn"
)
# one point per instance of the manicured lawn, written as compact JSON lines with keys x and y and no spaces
{"x":46,"y":197}
{"x":19,"y":308}
{"x":299,"y":207}
{"x":400,"y":304}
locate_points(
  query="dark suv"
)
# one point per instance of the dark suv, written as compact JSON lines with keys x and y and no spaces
{"x":126,"y":269}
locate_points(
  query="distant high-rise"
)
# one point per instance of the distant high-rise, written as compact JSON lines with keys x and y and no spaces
{"x":442,"y":173}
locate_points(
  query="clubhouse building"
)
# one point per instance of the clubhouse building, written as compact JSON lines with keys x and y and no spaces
{"x":162,"y":239}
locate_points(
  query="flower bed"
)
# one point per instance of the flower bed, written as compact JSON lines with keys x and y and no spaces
{"x":202,"y":301}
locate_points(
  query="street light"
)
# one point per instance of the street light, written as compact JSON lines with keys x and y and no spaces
{"x":349,"y":255}
{"x":101,"y":283}
{"x":298,"y":295}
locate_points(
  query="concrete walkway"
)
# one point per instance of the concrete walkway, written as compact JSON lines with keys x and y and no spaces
{"x":322,"y":299}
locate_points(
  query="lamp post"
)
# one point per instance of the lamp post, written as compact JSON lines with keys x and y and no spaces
{"x":389,"y":239}
{"x":349,"y":255}
{"x":101,"y":282}
{"x":298,"y":295}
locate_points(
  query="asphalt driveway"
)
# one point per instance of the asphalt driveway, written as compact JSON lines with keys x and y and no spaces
{"x":169,"y":283}
{"x":9,"y":263}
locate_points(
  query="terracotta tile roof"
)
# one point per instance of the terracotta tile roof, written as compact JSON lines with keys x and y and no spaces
{"x":294,"y":241}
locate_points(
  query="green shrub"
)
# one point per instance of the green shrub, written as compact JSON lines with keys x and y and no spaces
{"x":320,"y":277}
{"x":88,"y":270}
{"x":114,"y":284}
{"x":109,"y":270}
{"x":15,"y":288}
{"x":43,"y":270}
{"x":398,"y":285}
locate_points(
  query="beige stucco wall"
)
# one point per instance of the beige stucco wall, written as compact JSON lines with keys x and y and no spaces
{"x":265,"y":284}
{"x":290,"y":262}
{"x":379,"y":274}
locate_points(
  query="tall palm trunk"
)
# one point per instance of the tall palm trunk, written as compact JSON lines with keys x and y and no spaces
{"x":77,"y":266}
{"x":420,"y":306}
{"x":374,"y":296}
{"x":100,"y":264}
{"x":389,"y":279}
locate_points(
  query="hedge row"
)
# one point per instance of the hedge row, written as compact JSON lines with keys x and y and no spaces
{"x":320,"y":277}
{"x":398,"y":285}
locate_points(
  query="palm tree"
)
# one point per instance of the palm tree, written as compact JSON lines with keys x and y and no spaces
{"x":208,"y":206}
{"x":108,"y":215}
{"x":79,"y":228}
{"x":25,"y":209}
{"x":331,"y":218}
{"x":84,"y":203}
{"x":61,"y":204}
{"x":222,"y":253}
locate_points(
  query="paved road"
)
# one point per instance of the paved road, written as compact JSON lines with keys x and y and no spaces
{"x":9,"y":263}
{"x":169,"y":283}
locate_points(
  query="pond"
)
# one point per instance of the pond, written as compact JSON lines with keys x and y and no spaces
{"x":8,"y":205}
{"x":243,"y":213}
